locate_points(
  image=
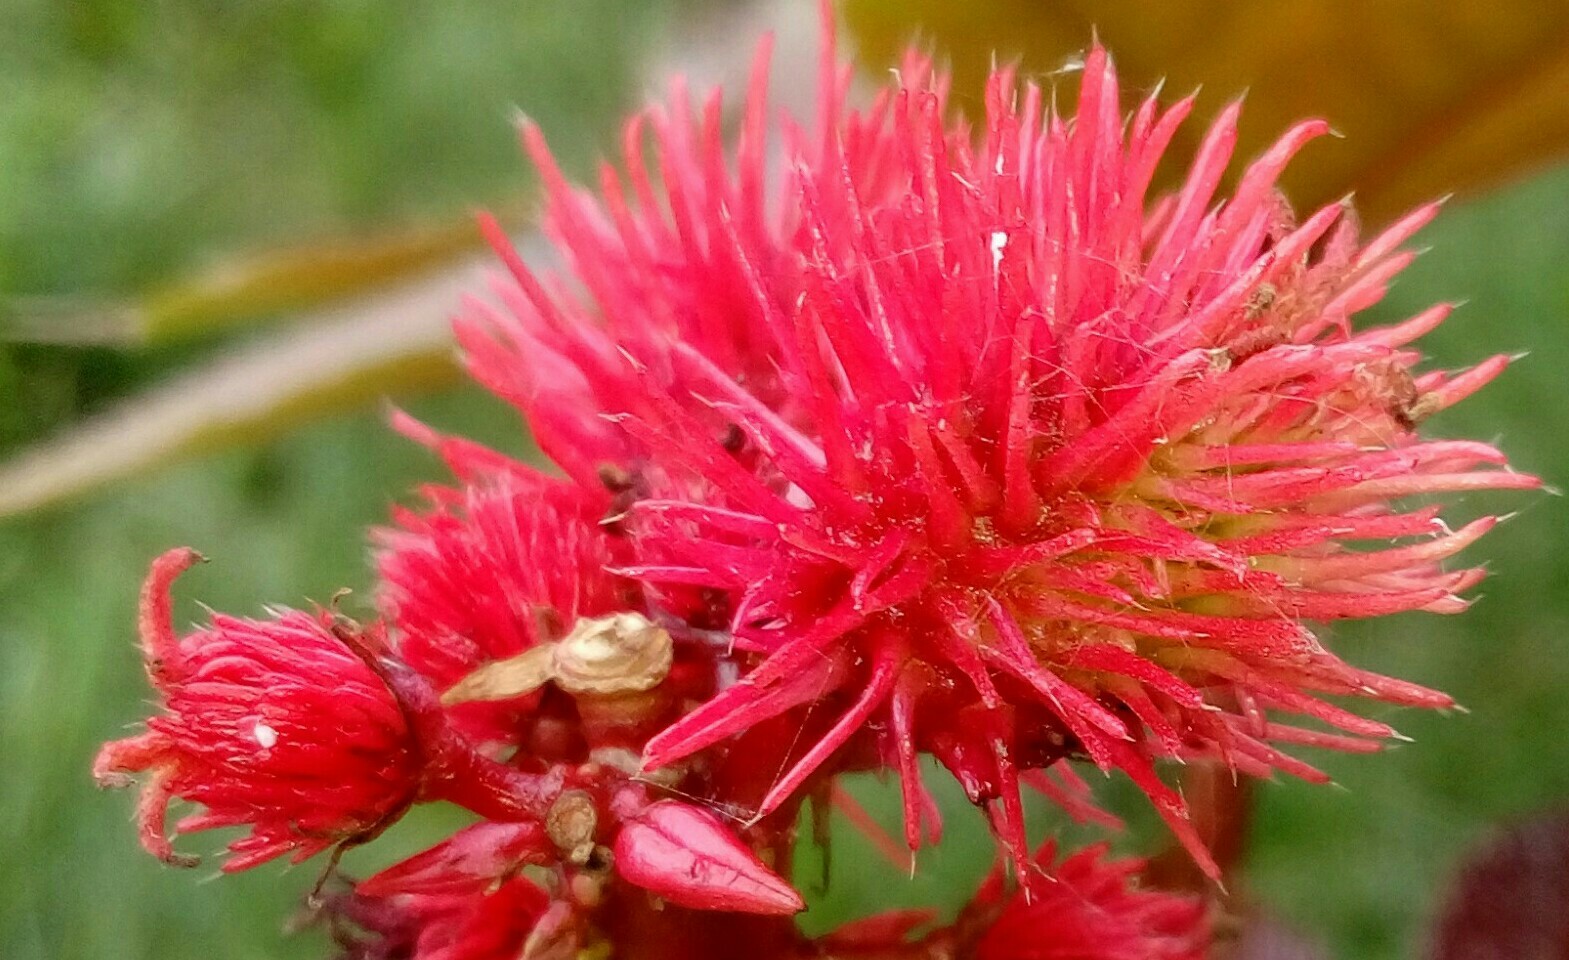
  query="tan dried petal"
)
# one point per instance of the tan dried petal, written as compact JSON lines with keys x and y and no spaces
{"x":505,"y":679}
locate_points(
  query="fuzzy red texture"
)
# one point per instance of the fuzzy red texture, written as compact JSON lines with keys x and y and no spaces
{"x":507,"y":561}
{"x":464,"y":581}
{"x":1093,"y":910}
{"x":984,"y":450}
{"x":270,"y":724}
{"x":474,"y":924}
{"x":1087,"y":907}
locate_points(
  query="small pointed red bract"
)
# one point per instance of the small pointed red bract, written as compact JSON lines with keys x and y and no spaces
{"x":687,"y":856}
{"x":471,"y":859}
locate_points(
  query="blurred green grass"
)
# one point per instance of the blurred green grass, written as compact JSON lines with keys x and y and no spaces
{"x":134,"y":139}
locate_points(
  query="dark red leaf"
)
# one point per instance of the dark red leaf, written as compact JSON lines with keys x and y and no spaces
{"x":1511,"y":897}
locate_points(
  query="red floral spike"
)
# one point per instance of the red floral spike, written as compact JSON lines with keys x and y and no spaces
{"x":964,"y":412}
{"x":879,"y":932}
{"x":686,"y":856}
{"x":898,"y":437}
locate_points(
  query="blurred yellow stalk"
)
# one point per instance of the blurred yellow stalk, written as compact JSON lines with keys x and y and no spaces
{"x":335,"y":359}
{"x":240,"y":291}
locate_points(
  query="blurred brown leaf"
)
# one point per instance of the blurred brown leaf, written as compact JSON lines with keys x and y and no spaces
{"x":1221,"y":804}
{"x":1433,"y":96}
{"x":300,"y":277}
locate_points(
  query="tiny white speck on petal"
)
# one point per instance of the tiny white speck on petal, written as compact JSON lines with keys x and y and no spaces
{"x":265,"y":735}
{"x":999,"y":244}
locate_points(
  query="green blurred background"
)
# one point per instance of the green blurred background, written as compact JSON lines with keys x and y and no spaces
{"x":138,"y":141}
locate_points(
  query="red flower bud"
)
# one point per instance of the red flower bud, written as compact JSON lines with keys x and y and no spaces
{"x":272,"y":724}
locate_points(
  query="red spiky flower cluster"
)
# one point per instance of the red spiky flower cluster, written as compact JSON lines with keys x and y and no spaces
{"x":944,"y":441}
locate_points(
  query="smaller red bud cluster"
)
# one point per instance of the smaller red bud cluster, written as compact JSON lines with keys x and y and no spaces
{"x":308,"y":730}
{"x":956,"y":448}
